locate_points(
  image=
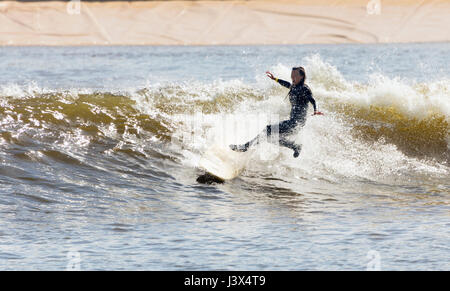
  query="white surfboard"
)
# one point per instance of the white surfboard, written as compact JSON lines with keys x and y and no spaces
{"x":223,"y":162}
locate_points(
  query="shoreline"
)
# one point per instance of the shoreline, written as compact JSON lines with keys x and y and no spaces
{"x":220,"y":45}
{"x":204,"y":23}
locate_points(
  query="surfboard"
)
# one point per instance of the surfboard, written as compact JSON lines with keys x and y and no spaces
{"x":222,"y":163}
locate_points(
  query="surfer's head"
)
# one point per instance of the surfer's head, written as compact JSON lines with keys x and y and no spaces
{"x":298,"y":75}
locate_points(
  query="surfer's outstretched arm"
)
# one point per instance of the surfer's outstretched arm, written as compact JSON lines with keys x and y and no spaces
{"x":283,"y":83}
{"x":313,"y":102}
{"x":279,"y":81}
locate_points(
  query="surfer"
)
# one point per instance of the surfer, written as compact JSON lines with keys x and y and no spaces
{"x":299,"y":96}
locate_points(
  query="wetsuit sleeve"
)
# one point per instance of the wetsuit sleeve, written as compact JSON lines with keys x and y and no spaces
{"x":311,"y":99}
{"x":283,"y":83}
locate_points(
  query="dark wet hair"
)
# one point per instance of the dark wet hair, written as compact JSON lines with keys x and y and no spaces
{"x":302,"y":73}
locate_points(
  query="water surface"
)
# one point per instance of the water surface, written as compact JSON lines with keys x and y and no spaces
{"x":99,"y":148}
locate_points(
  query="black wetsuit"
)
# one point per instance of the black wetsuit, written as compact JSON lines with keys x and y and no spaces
{"x":299,"y":96}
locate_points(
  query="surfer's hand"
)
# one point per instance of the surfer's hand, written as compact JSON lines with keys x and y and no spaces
{"x":269,"y":74}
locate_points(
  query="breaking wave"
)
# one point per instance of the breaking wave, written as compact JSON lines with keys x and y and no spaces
{"x":379,"y":128}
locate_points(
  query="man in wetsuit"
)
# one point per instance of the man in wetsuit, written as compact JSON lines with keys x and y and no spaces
{"x":299,"y":96}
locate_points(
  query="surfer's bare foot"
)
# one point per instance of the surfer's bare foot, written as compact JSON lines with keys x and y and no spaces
{"x":240,"y":148}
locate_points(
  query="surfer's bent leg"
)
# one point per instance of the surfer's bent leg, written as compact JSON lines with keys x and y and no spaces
{"x":289,"y":144}
{"x":286,"y":128}
{"x":283,"y":128}
{"x":273,"y":128}
{"x":267,"y":133}
{"x":244,"y":147}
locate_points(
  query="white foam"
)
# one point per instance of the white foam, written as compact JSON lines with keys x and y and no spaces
{"x":329,"y":148}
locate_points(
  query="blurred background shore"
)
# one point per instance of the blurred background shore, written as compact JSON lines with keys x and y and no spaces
{"x":256,"y":22}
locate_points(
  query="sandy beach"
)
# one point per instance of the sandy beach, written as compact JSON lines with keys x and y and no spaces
{"x":222,"y":22}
